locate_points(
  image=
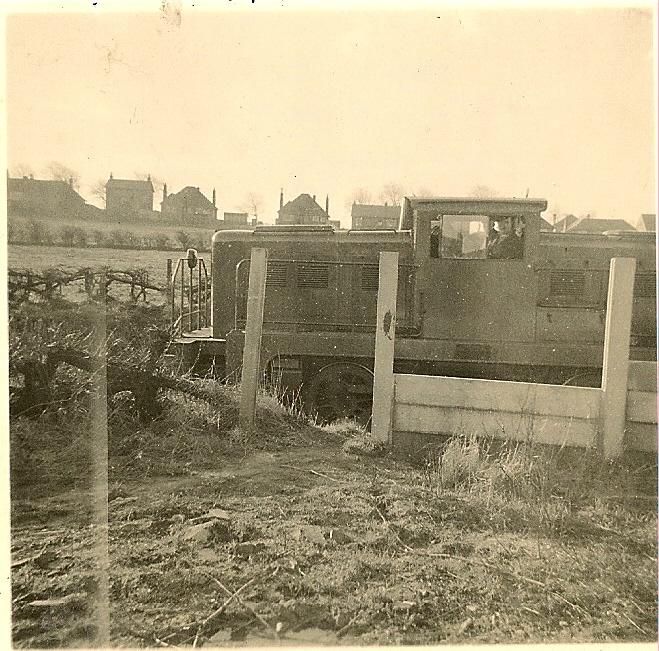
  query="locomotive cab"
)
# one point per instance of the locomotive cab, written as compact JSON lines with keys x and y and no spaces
{"x":475,"y":267}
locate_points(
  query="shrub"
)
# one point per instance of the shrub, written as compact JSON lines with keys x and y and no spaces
{"x":80,"y":236}
{"x":184,"y":239}
{"x":68,"y":235}
{"x":15,"y":233}
{"x":39,"y":233}
{"x":160,"y":241}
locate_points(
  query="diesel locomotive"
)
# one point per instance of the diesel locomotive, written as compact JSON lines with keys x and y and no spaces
{"x":534,"y":311}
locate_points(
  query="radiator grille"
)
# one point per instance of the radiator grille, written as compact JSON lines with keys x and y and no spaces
{"x":277,"y":274}
{"x":370,"y":278}
{"x":314,"y":275}
{"x":645,"y":285}
{"x":567,"y":283}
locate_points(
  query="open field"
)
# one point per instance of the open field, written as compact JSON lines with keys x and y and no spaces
{"x":38,"y":258}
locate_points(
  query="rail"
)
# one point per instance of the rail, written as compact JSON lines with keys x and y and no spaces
{"x":407,"y":280}
{"x":192,"y":309}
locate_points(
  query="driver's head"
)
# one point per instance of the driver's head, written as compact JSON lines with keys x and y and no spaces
{"x":503,"y":224}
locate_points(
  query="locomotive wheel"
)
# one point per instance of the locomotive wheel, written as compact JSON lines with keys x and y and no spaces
{"x":341,"y":390}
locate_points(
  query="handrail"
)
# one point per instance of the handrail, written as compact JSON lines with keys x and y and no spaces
{"x":194,"y":315}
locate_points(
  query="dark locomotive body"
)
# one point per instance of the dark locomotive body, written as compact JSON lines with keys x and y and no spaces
{"x":539,"y":317}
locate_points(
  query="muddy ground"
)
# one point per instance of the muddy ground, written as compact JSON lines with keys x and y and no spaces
{"x":327,"y":543}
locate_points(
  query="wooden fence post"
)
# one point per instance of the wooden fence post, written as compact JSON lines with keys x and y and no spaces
{"x":615,"y":368}
{"x":385,"y":335}
{"x":252,"y":346}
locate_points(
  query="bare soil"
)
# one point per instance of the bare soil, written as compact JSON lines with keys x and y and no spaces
{"x":336,"y":547}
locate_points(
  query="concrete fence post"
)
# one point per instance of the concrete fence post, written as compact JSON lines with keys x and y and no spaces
{"x":615,"y":368}
{"x":253,"y":329}
{"x":385,"y":335}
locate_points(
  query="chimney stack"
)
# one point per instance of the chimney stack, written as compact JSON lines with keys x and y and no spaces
{"x":281,"y":199}
{"x":314,"y":198}
{"x":70,"y":181}
{"x":213,"y":196}
{"x":327,"y":204}
{"x":164,"y":191}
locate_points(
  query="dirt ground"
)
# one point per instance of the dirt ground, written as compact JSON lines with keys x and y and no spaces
{"x":320,"y":543}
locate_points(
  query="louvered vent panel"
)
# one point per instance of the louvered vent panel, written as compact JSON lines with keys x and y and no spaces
{"x":313,"y":275}
{"x":645,"y":285}
{"x":370,"y":280}
{"x":277,"y":274}
{"x":567,"y":283}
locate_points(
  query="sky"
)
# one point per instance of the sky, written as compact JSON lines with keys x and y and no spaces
{"x":556,"y":103}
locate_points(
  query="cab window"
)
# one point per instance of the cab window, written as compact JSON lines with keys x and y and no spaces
{"x":477,"y":236}
{"x":459,"y":236}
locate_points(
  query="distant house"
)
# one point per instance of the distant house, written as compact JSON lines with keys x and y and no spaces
{"x":188,"y":206}
{"x":127,"y":197}
{"x":302,"y":210}
{"x":563,"y":224}
{"x":372,"y":217}
{"x":592,"y":225}
{"x":29,"y":197}
{"x":545,"y":225}
{"x":235,"y":219}
{"x":647,"y":223}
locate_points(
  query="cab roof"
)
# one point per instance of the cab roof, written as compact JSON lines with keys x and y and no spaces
{"x":468,"y":206}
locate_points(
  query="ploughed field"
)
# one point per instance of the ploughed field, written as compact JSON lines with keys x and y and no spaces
{"x":327,"y":539}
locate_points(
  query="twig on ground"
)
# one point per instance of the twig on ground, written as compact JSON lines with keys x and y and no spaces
{"x":633,"y":623}
{"x":313,"y":472}
{"x":247,"y":606}
{"x":221,"y":609}
{"x":160,"y":642}
{"x":343,"y":629}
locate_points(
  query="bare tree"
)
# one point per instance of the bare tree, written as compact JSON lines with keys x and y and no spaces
{"x":98,"y":190}
{"x":252,"y":203}
{"x":360,"y":196}
{"x":392,"y":193}
{"x":422,"y":192}
{"x":22,"y":169}
{"x":156,"y":182}
{"x":59,"y":172}
{"x":483,"y":192}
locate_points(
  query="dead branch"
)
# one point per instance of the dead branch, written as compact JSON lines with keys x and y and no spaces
{"x":248,"y":607}
{"x":221,"y":609}
{"x":313,"y":472}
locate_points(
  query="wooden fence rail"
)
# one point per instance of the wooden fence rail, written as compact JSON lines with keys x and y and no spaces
{"x":25,"y":284}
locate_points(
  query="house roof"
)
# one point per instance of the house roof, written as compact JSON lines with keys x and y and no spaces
{"x":302,"y":204}
{"x":130,"y":184}
{"x":565,"y":222}
{"x":592,"y":225}
{"x":648,"y":223}
{"x":370,"y":210}
{"x":42,"y":187}
{"x":192,"y":195}
{"x":545,"y":225}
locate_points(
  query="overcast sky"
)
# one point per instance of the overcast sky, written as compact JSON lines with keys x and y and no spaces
{"x":557,"y":102}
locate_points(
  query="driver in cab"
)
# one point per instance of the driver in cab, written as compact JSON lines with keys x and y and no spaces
{"x":506,"y":240}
